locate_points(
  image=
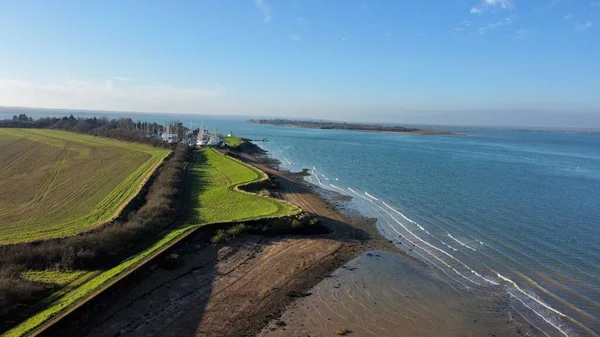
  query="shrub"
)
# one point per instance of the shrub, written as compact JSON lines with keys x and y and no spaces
{"x":236,"y":230}
{"x":220,"y":236}
{"x":264,"y":193}
{"x":296,"y":224}
{"x":230,"y":233}
{"x":315,"y":221}
{"x":342,"y":332}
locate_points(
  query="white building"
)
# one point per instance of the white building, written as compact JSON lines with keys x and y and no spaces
{"x":170,"y":137}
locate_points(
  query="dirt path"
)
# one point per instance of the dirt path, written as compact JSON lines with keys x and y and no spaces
{"x":236,"y":288}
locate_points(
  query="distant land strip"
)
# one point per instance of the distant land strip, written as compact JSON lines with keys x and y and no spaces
{"x":326,"y":125}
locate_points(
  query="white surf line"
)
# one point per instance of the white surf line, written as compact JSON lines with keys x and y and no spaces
{"x":506,"y":279}
{"x":468,"y":234}
{"x":461,"y":243}
{"x":337,"y":188}
{"x":447,"y":245}
{"x":402,"y":215}
{"x":336,"y":179}
{"x":515,"y":286}
{"x":501,"y":250}
{"x":372,"y":197}
{"x":540,"y":315}
{"x":319,"y":180}
{"x":425,"y":242}
{"x":528,"y":321}
{"x":424,"y":250}
{"x":317,"y":176}
{"x":434,"y":247}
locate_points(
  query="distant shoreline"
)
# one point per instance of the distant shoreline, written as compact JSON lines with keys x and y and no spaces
{"x":323,"y":125}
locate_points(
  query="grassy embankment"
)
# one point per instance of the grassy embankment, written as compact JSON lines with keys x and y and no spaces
{"x":216,"y":199}
{"x":232,"y":140}
{"x":216,"y":178}
{"x":55,"y":184}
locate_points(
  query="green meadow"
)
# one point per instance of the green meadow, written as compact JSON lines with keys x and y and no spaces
{"x":232,"y":140}
{"x":55,"y":183}
{"x":215,"y":177}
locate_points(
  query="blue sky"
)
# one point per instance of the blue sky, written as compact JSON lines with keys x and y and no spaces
{"x":448,"y":61}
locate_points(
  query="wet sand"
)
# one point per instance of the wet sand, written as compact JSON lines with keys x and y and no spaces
{"x":380,"y":294}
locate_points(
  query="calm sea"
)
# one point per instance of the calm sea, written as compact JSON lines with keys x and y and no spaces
{"x":499,"y":211}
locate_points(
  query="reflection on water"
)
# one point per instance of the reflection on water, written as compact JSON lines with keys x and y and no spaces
{"x":381,"y":294}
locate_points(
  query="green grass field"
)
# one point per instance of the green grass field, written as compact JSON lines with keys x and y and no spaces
{"x":214,"y":178}
{"x":232,"y":140}
{"x":55,"y":183}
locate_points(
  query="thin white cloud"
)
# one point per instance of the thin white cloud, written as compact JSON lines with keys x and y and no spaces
{"x":488,"y":4}
{"x":569,"y":16}
{"x":295,"y":37}
{"x":121,"y":78}
{"x":584,"y":26}
{"x":264,"y":7}
{"x":595,"y":3}
{"x":522,"y":34}
{"x":109,"y":95}
{"x":462,"y":26}
{"x":505,"y":22}
{"x":501,"y":3}
{"x":552,"y":4}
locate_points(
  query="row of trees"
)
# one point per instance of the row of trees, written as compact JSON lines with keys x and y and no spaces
{"x":122,"y":128}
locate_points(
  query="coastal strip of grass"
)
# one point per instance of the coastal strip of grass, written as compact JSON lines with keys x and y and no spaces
{"x":56,"y":184}
{"x":215,"y":198}
{"x":215,"y":178}
{"x":232,"y":141}
{"x":75,"y":295}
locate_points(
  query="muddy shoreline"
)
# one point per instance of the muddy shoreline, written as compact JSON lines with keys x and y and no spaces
{"x":237,"y":288}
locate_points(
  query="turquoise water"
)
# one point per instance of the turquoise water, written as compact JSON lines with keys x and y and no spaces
{"x":490,"y":211}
